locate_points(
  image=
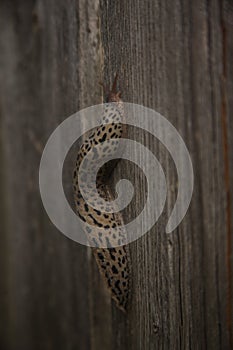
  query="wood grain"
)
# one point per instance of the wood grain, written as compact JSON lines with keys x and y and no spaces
{"x":174,"y":57}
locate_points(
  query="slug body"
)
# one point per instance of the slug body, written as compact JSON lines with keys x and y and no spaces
{"x":113,"y":262}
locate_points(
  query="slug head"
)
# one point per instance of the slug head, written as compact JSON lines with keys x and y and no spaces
{"x":113,"y":95}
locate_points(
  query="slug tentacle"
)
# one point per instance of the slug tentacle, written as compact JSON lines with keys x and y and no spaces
{"x":113,"y":262}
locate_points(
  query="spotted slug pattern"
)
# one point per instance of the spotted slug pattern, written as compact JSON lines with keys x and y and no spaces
{"x":113,"y":262}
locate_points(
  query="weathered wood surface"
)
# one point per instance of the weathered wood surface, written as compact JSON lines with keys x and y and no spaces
{"x":175,"y":57}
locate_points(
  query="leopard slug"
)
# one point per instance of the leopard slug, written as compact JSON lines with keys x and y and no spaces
{"x":113,"y":261}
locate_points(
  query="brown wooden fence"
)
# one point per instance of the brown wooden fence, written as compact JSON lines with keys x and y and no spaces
{"x":172,"y":56}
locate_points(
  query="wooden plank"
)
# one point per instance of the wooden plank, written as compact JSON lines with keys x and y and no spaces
{"x":170,"y":59}
{"x":227,"y":127}
{"x":47,"y":274}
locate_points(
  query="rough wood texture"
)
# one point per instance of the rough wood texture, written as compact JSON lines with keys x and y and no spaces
{"x":175,"y":57}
